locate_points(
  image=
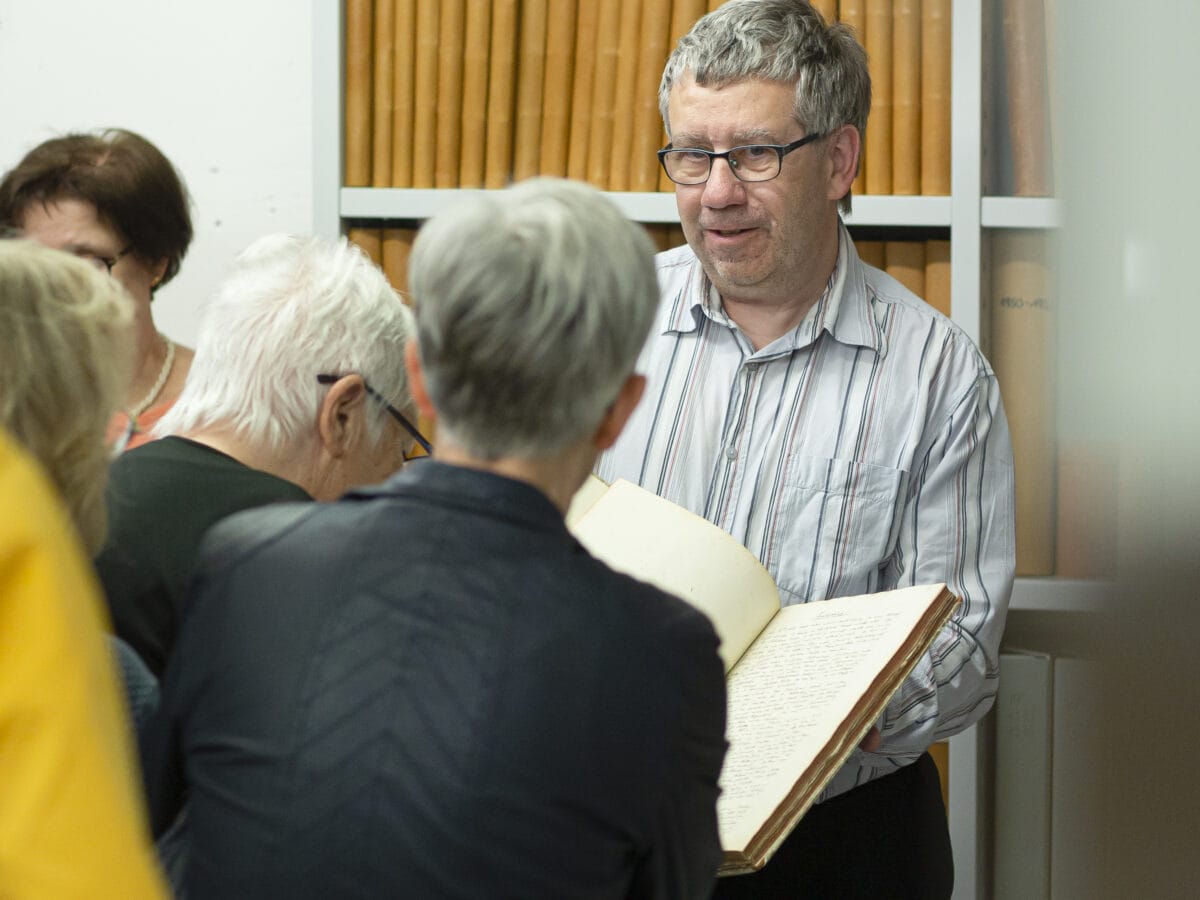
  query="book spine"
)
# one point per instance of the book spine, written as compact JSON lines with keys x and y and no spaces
{"x":906,"y":97}
{"x":871,"y":252}
{"x":935,"y":97}
{"x":853,"y":13}
{"x":477,"y":38}
{"x":905,"y":261}
{"x":625,"y":96}
{"x":1025,"y":69}
{"x":557,"y":81}
{"x":1021,"y":319}
{"x":501,"y":94}
{"x":608,"y":46}
{"x":647,"y":125}
{"x":827,"y":8}
{"x":879,"y":130}
{"x":359,"y":63}
{"x":531,"y":73}
{"x":404,"y":56}
{"x":396,"y":245}
{"x":937,"y":276}
{"x":425,"y":95}
{"x":383,"y":99}
{"x":369,"y":240}
{"x":586,"y":23}
{"x":449,"y":93}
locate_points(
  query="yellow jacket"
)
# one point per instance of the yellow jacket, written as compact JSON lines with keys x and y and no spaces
{"x":72,"y":822}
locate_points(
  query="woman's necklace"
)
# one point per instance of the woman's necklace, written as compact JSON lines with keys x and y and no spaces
{"x":163,"y":374}
{"x":142,"y":405}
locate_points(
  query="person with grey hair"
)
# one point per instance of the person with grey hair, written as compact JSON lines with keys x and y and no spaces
{"x":464,"y":703}
{"x":849,"y":435}
{"x":297,"y":391}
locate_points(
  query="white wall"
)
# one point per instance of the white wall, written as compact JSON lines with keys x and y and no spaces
{"x":223,"y":87}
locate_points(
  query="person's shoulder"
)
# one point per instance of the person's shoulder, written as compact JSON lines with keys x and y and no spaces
{"x":665,"y":620}
{"x":917,"y":318}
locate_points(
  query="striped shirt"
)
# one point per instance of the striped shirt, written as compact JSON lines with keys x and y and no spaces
{"x":865,"y":450}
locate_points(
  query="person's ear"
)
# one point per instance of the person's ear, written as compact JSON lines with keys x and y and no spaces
{"x":340,"y":414}
{"x":845,"y":145}
{"x":157,"y":271}
{"x":618,"y":413}
{"x":416,"y":381}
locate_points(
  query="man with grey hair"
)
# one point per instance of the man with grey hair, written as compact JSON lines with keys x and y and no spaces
{"x":849,"y":435}
{"x":298,"y":362}
{"x":464,"y":702}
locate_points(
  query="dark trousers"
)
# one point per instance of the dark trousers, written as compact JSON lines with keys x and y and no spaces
{"x":885,"y":840}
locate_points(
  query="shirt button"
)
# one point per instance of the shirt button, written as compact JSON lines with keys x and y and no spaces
{"x":731,"y":452}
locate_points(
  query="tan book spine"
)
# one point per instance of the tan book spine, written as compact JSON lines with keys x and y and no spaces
{"x":369,"y":240}
{"x":451,"y":31}
{"x":827,"y":8}
{"x":879,"y":129}
{"x":906,"y":97}
{"x":1025,"y":69}
{"x":625,"y":99}
{"x":935,"y":97}
{"x":478,"y":31}
{"x":608,"y":45}
{"x":501,"y":93}
{"x":359,"y":51}
{"x":425,"y":95}
{"x":853,"y":13}
{"x":531,"y":73}
{"x":905,"y":261}
{"x":582,"y":82}
{"x":684,"y":14}
{"x":557,"y":87}
{"x":383,"y":98}
{"x":937,"y":276}
{"x":871,"y":252}
{"x":713,"y":4}
{"x":396,"y":247}
{"x":404,"y":55}
{"x":1021,"y":331}
{"x":647,"y":123}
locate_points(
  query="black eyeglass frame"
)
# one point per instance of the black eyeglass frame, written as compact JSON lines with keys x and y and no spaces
{"x":395,"y":413}
{"x":781,"y":149}
{"x":108,"y":261}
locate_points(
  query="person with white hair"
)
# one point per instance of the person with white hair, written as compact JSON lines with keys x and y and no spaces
{"x":297,"y":391}
{"x":464,"y":702}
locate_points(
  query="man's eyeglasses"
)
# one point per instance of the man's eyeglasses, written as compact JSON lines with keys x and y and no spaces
{"x":750,"y":162}
{"x":104,"y":263}
{"x":395,"y":413}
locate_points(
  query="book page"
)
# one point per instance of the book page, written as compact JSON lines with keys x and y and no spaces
{"x":654,"y":540}
{"x":792,"y":690}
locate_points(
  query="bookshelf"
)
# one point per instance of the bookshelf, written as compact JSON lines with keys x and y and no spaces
{"x":966,"y":214}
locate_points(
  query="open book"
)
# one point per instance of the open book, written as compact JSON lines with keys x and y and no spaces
{"x":805,"y":682}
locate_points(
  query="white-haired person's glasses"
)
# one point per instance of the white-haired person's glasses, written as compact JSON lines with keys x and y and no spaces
{"x":395,"y":413}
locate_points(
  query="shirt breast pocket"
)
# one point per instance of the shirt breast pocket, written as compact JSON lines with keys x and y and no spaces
{"x":835,"y":528}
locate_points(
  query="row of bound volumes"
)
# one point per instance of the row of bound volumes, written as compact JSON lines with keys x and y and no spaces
{"x":479,"y":93}
{"x":1066,"y":493}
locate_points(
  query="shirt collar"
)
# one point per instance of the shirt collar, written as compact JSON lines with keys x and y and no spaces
{"x":844,"y":310}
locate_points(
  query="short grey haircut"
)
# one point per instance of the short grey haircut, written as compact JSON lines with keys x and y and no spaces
{"x":532,"y":305}
{"x":66,"y":353}
{"x":778,"y":40}
{"x":292,"y":308}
